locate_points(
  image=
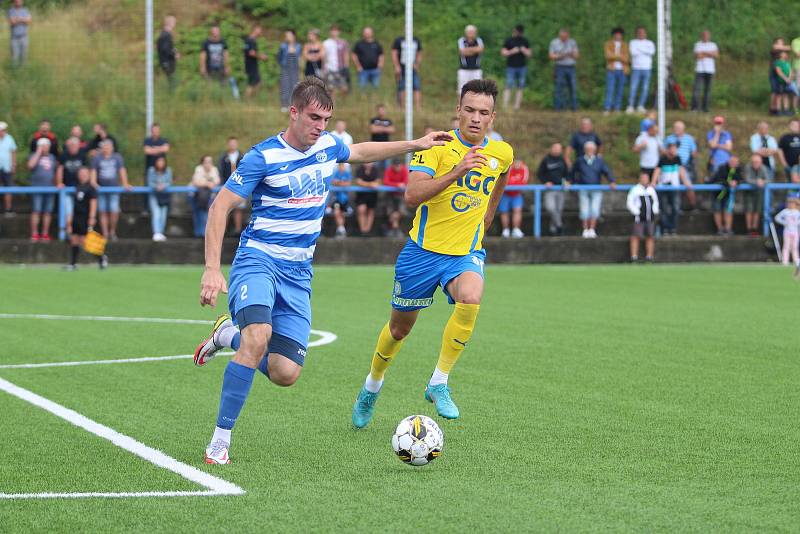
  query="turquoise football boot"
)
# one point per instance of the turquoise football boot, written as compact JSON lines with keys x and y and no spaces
{"x":363,"y":408}
{"x":439,"y":395}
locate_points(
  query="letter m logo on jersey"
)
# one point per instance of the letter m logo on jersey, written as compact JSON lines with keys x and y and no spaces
{"x":307,"y":185}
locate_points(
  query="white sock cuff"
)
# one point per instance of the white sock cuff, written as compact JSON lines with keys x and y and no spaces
{"x":222,"y":434}
{"x":438,"y":377}
{"x":225,"y":336}
{"x":372,"y":385}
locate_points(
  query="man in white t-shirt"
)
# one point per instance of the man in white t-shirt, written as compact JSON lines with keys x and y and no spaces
{"x":340,"y":131}
{"x":642,"y":51}
{"x":706,"y":54}
{"x":648,"y":146}
{"x":337,"y":60}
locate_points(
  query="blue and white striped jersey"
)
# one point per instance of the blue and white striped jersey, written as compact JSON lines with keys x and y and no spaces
{"x":289,"y":189}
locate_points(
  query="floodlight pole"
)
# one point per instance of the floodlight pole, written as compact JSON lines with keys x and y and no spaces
{"x":662,"y":69}
{"x":409,"y":72}
{"x":149,"y":63}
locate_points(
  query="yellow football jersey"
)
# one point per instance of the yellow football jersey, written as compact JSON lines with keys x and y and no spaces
{"x":452,"y":221}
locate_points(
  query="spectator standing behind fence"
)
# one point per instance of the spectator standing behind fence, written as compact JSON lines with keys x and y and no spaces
{"x":643,"y":204}
{"x":71,"y":160}
{"x":648,"y":146}
{"x":513,"y":201}
{"x":101,"y":134}
{"x":288,"y":59}
{"x":340,"y":131}
{"x":19,"y":18}
{"x":44,"y":132}
{"x":342,"y":177}
{"x":42,"y":165}
{"x":168,"y":55}
{"x":617,"y":67}
{"x":590,"y":169}
{"x":764,"y":145}
{"x":214,"y":58}
{"x":204,"y":179}
{"x":728,"y":175}
{"x":251,"y":59}
{"x":470,"y":50}
{"x":396,"y":175}
{"x":155,"y":147}
{"x":642,"y":51}
{"x":77,"y":132}
{"x":228,"y":163}
{"x":516,"y":50}
{"x":159,"y":177}
{"x":706,"y":53}
{"x":337,"y":61}
{"x":368,"y":58}
{"x":670,"y":173}
{"x":720,"y":144}
{"x":789,"y":218}
{"x":687,"y":152}
{"x":381,"y":128}
{"x":314,"y":54}
{"x":778,"y":46}
{"x":789,"y":153}
{"x":108,"y":170}
{"x":84,"y":220}
{"x":400,"y":55}
{"x":554,"y":171}
{"x":578,"y":140}
{"x":8,"y":164}
{"x":756,"y":174}
{"x":367,"y":175}
{"x":563,"y":51}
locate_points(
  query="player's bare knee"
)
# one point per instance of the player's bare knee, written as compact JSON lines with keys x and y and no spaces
{"x":253,"y":345}
{"x":470,"y":298}
{"x":282,"y":371}
{"x":400,"y":330}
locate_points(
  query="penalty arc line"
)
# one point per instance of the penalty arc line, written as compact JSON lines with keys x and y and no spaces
{"x":213,"y":485}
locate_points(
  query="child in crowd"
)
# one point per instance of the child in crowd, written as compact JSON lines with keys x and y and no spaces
{"x":643,"y":204}
{"x":789,"y":218}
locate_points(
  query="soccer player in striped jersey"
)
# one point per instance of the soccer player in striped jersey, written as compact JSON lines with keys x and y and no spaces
{"x":457,"y":188}
{"x":288,"y":177}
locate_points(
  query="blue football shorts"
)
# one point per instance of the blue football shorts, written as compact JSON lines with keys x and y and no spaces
{"x":418,"y":272}
{"x":256,"y":279}
{"x":510,"y":202}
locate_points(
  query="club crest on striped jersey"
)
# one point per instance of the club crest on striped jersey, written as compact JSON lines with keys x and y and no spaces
{"x":322,"y":157}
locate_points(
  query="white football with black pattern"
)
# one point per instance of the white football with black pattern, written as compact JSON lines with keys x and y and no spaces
{"x":418,"y":440}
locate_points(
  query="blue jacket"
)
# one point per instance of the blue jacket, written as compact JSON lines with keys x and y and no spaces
{"x":284,"y":50}
{"x":585,"y":173}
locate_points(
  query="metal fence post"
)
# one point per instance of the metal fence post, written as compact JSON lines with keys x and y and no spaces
{"x":767,"y":215}
{"x":62,"y":215}
{"x":537,"y":213}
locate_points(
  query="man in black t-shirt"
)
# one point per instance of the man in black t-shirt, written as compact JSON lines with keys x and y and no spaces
{"x":214,"y":56}
{"x":584,"y":134}
{"x":367,"y":175}
{"x":167,"y":54}
{"x":400,"y":54}
{"x":381,"y":128}
{"x":251,"y":59}
{"x":789,"y":153}
{"x":100,"y":135}
{"x":69,"y":163}
{"x":85,"y":217}
{"x":155,"y":146}
{"x":368,"y":59}
{"x":516,"y":50}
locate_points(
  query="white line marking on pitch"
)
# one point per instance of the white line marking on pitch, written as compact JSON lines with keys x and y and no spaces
{"x":213,"y":485}
{"x":99,"y":318}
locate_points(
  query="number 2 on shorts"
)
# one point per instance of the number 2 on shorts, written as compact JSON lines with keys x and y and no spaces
{"x":243,"y":292}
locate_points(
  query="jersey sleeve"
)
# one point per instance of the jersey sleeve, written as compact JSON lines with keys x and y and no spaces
{"x":509,"y":159}
{"x":248,"y":174}
{"x":426,"y":161}
{"x":342,"y":150}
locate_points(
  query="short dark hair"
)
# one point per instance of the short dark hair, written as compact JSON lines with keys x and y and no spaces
{"x":520,"y":28}
{"x":481,"y":87}
{"x":311,"y":90}
{"x":617,"y":30}
{"x":155,"y":124}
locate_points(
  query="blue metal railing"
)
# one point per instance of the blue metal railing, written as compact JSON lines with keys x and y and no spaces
{"x":536,"y":189}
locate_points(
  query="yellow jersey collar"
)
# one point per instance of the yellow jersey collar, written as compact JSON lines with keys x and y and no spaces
{"x":466,"y":144}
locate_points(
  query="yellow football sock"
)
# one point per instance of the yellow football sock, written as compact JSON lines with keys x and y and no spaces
{"x":385,"y":351}
{"x":456,"y":335}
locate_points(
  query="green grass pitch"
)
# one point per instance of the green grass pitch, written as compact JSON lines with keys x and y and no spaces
{"x":660,"y":398}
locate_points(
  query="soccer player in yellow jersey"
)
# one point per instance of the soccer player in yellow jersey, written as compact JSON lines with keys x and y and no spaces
{"x":456,"y":188}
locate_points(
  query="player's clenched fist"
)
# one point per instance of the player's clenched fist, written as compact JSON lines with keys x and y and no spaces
{"x":472,"y":159}
{"x":210,"y":285}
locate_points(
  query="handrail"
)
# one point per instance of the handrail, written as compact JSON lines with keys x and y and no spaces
{"x":537,"y":190}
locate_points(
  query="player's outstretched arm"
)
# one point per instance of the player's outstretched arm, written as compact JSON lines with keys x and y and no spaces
{"x":376,"y":151}
{"x":422,"y":187}
{"x":213,"y":281}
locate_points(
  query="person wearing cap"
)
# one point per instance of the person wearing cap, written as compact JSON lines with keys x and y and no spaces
{"x":670,"y":172}
{"x":42,"y":165}
{"x":395,"y":175}
{"x":720,"y":145}
{"x":648,"y":146}
{"x":8,"y":164}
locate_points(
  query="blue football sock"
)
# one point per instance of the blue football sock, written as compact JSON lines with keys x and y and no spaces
{"x":263,"y":365}
{"x":235,"y":387}
{"x":237,"y":339}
